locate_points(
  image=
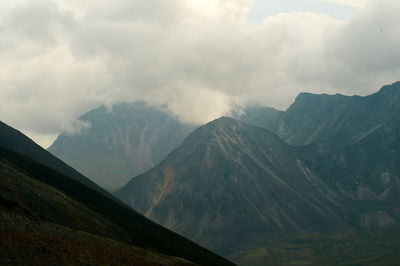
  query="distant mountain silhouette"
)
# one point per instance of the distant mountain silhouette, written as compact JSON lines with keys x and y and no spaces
{"x":120,"y":143}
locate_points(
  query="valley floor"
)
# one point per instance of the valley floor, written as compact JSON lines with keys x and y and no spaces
{"x":355,"y":248}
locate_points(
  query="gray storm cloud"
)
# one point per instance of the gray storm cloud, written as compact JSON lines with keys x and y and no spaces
{"x":200,"y":58}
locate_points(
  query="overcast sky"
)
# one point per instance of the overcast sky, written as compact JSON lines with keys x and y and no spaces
{"x":61,"y":58}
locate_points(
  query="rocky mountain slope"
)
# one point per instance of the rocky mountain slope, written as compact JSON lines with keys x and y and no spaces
{"x":233,"y":183}
{"x":120,"y":143}
{"x":338,"y":120}
{"x":241,"y":191}
{"x":234,"y":187}
{"x":48,"y":216}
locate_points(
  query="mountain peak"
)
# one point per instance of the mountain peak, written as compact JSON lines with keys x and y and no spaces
{"x":222,"y":126}
{"x":307,"y":98}
{"x":222,"y":164}
{"x":229,"y":130}
{"x":225,"y":122}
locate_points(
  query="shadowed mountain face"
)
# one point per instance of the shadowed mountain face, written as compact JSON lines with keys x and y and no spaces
{"x":49,"y":217}
{"x":120,"y":143}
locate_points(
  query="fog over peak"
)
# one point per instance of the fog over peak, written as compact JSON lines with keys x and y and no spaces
{"x":200,"y":58}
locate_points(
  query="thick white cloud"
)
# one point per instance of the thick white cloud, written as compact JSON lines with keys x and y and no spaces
{"x":60,"y":58}
{"x":355,"y":3}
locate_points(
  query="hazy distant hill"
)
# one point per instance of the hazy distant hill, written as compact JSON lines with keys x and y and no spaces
{"x":48,"y":217}
{"x":120,"y":143}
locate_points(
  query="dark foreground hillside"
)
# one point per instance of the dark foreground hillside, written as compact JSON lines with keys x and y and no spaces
{"x":48,"y":217}
{"x":38,"y":243}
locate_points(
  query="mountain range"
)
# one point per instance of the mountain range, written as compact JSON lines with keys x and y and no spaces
{"x":231,"y":186}
{"x":130,"y":138}
{"x":315,"y":184}
{"x":326,"y":168}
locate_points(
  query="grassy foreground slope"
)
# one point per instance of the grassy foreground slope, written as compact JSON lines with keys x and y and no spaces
{"x":53,"y":215}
